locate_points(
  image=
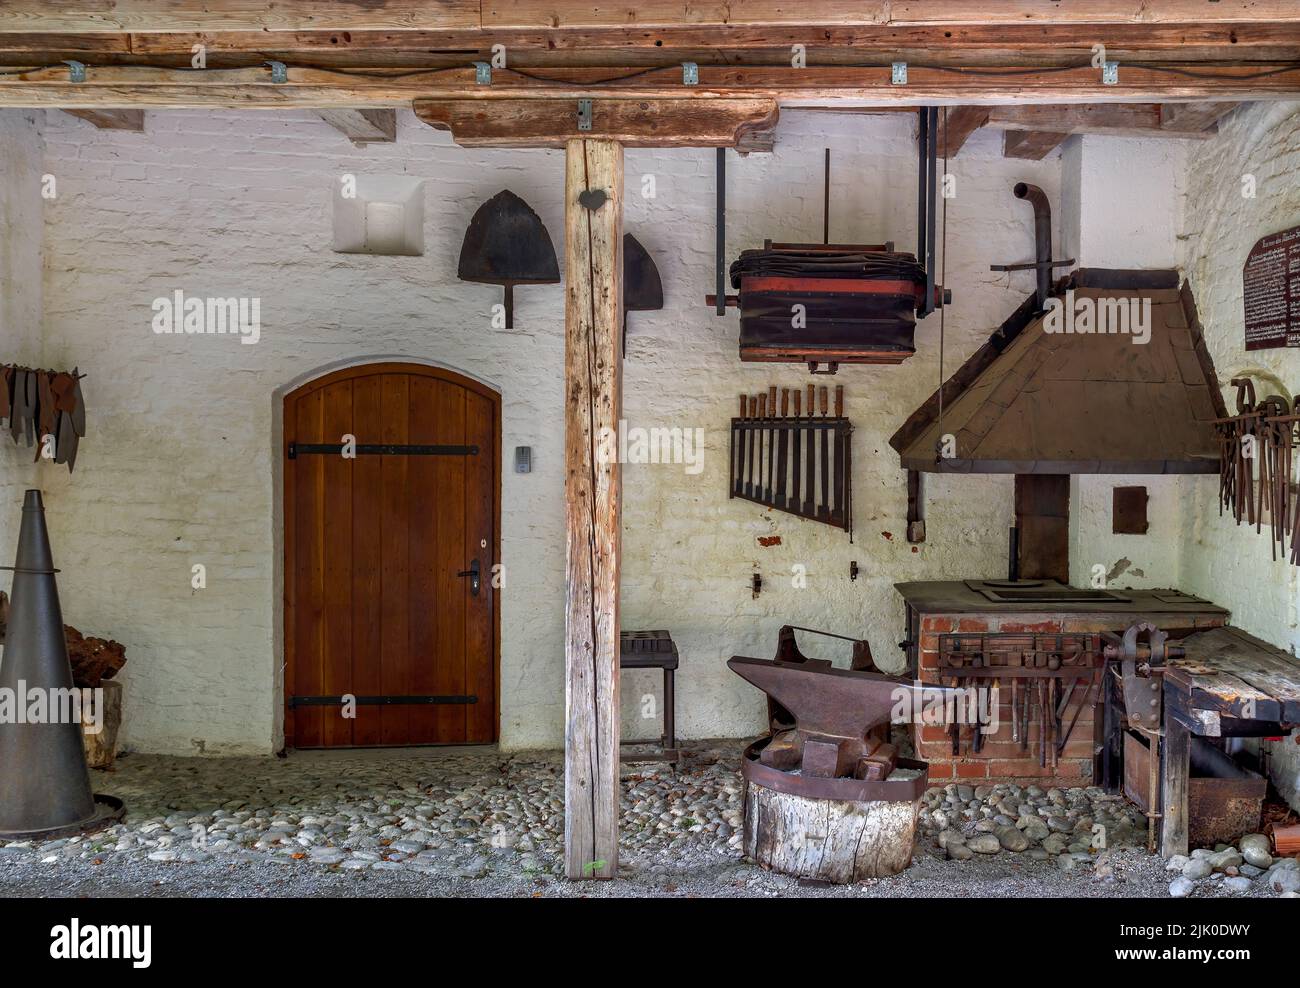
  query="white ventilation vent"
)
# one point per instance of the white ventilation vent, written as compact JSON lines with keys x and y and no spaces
{"x":379,"y":215}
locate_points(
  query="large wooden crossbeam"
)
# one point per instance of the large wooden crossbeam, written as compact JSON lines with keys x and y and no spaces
{"x":974,"y":44}
{"x":434,"y":15}
{"x":633,"y":123}
{"x":123,"y":86}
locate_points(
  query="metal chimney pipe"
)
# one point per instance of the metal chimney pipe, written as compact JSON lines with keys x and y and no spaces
{"x":1042,"y":235}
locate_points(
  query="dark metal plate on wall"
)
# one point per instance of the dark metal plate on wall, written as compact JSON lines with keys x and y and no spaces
{"x":1271,"y":288}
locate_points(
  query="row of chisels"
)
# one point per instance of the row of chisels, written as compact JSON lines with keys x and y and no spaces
{"x":794,"y":459}
{"x":43,"y":408}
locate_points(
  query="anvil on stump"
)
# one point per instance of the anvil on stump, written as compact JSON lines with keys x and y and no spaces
{"x":820,"y":802}
{"x":840,"y":717}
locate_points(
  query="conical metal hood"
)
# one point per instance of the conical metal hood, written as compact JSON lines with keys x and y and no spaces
{"x":44,"y":782}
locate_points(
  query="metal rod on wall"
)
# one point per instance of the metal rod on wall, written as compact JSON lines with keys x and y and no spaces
{"x":826,"y":199}
{"x":721,"y":229}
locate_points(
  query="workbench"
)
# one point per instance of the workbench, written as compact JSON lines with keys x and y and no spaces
{"x":1226,"y":684}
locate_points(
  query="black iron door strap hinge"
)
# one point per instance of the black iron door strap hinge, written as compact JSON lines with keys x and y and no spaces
{"x":381,"y":701}
{"x":379,"y":449}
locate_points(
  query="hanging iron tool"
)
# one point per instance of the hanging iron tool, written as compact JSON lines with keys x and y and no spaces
{"x":507,"y":244}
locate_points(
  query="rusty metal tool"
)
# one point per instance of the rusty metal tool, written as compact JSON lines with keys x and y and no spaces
{"x":796,"y":466}
{"x":782,"y":451}
{"x":810,"y":494}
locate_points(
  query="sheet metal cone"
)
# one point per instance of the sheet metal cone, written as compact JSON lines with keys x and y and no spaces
{"x":44,"y":783}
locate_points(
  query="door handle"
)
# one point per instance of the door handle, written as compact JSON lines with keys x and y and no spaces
{"x":473,"y":574}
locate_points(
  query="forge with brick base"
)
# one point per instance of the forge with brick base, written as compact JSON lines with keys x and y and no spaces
{"x":1039,"y":643}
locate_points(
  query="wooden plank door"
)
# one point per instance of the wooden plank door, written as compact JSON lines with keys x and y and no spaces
{"x":380,"y":551}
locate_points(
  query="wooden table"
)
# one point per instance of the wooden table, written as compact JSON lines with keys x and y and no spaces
{"x":1227,"y":684}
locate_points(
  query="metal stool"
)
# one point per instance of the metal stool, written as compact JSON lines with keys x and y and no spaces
{"x":654,"y":650}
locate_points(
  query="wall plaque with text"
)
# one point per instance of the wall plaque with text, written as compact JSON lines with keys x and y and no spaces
{"x":1271,"y":288}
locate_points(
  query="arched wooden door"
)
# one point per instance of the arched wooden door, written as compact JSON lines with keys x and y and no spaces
{"x":389,"y":558}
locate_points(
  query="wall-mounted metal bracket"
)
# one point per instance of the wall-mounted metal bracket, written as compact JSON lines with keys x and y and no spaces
{"x":690,"y":74}
{"x":483,"y":73}
{"x":898,"y":74}
{"x":584,"y":114}
{"x":76,"y":71}
{"x":1110,"y":73}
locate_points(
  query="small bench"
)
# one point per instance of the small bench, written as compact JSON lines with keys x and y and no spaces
{"x":654,"y":650}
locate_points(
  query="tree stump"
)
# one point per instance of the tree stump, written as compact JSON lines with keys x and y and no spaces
{"x":101,"y":748}
{"x":839,"y":841}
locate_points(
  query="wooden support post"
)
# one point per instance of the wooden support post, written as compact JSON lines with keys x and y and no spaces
{"x":1175,"y":768}
{"x":593,"y":252}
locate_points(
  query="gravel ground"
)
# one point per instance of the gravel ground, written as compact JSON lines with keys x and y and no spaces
{"x":476,"y":822}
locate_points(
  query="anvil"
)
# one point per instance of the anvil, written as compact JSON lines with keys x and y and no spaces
{"x":839,"y":715}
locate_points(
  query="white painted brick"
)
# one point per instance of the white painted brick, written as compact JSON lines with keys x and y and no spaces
{"x":179,"y":465}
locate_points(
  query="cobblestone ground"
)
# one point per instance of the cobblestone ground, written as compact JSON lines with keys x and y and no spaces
{"x":474,"y":821}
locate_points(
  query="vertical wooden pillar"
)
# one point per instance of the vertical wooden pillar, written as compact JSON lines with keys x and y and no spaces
{"x":1175,"y":769}
{"x":593,"y":396}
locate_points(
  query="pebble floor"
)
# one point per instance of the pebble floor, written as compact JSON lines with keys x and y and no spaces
{"x":465,"y":822}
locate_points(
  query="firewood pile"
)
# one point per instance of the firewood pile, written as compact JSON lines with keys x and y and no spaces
{"x":93,"y":659}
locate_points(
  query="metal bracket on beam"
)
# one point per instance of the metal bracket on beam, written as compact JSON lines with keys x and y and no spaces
{"x":690,"y":74}
{"x":279,"y":72}
{"x":898,"y":74}
{"x":584,"y":114}
{"x":76,"y":71}
{"x":483,"y":73}
{"x":1110,"y":73}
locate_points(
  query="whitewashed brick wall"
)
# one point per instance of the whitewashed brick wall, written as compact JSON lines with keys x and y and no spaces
{"x":21,"y":233}
{"x":1221,"y":560}
{"x":181,"y":465}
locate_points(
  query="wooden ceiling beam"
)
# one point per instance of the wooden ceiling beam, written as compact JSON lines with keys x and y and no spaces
{"x":632,"y":123}
{"x":127,"y":86}
{"x":1031,"y":145}
{"x":155,"y":16}
{"x":1197,"y":40}
{"x":132,"y":120}
{"x":363,"y":126}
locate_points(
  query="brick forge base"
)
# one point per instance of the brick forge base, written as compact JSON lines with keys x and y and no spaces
{"x":1001,"y":759}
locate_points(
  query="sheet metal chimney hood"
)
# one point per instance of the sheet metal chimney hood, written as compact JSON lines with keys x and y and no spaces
{"x":1029,"y":401}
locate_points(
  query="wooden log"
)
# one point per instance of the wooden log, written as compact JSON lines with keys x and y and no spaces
{"x":156,"y":16}
{"x":135,"y":86}
{"x":838,"y":841}
{"x":101,"y":746}
{"x":632,"y":123}
{"x":593,"y":249}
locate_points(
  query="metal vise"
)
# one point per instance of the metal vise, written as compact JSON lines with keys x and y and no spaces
{"x":1142,"y":669}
